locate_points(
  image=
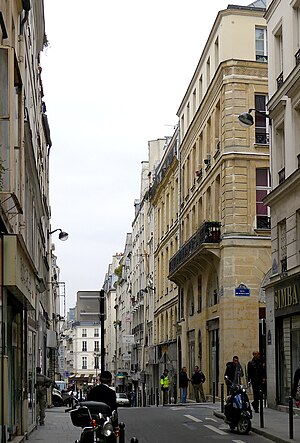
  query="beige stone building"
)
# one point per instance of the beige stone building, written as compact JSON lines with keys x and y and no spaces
{"x":164,"y":200}
{"x":220,"y":253}
{"x":283,"y":291}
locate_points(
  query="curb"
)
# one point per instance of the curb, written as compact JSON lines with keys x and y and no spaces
{"x":259,"y":431}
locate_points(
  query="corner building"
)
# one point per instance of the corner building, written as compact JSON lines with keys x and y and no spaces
{"x":223,"y":238}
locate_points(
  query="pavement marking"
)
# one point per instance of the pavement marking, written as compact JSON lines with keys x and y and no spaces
{"x":193,"y":418}
{"x":238,"y":441}
{"x":218,"y":431}
{"x":211,"y":419}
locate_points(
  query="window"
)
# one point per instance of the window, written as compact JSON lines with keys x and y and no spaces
{"x":96,"y":332}
{"x":263,"y":187}
{"x":96,"y":346}
{"x":278,"y":57}
{"x":84,"y":334}
{"x":84,"y":362}
{"x":261,"y":134}
{"x":84,"y":346}
{"x":261,"y":45}
{"x":96,"y":362}
{"x":282,"y":246}
{"x":200,"y":294}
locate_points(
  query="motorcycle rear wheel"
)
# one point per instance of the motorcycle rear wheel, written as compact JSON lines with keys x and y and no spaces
{"x":244,"y":425}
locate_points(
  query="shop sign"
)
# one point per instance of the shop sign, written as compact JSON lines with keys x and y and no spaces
{"x":128,"y":339}
{"x":286,"y":297}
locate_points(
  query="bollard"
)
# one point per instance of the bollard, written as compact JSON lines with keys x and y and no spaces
{"x":151,"y":397}
{"x":175,"y":393}
{"x":214,"y":392}
{"x":80,"y":393}
{"x":134,"y":440}
{"x":261,"y":408}
{"x":157,"y":397}
{"x":291,"y":418}
{"x":222,"y":397}
{"x":122,"y":432}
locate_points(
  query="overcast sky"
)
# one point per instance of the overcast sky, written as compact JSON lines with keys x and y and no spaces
{"x":114,"y":75}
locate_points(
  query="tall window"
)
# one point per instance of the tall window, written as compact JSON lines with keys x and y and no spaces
{"x":263,"y":187}
{"x":282,"y":245}
{"x":96,"y":346}
{"x":96,"y":362}
{"x":84,"y":362}
{"x":261,"y":134}
{"x":84,"y":346}
{"x":96,"y":332}
{"x":261,"y":44}
{"x":199,"y":294}
{"x":84,"y":334}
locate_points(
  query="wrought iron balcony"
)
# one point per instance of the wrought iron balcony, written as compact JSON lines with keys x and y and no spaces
{"x":209,"y":232}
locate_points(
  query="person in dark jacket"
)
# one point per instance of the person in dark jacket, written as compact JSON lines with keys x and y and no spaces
{"x":103,"y":392}
{"x":234,"y":372}
{"x":256,"y":377}
{"x":183,"y":384}
{"x":295,"y":387}
{"x":197,"y":380}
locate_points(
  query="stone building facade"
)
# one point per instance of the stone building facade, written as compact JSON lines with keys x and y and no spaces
{"x":224,"y":231}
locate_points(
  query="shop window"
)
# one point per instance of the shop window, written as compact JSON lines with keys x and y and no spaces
{"x":263,"y":187}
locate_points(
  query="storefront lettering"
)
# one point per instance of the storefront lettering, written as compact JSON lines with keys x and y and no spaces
{"x":286,"y":297}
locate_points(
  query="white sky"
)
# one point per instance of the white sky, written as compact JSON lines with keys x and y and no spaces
{"x":114,"y":75}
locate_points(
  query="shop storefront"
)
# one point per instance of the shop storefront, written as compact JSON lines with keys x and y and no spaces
{"x":287,"y":335}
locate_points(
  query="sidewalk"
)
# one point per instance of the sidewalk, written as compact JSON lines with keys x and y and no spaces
{"x":276,"y":424}
{"x":58,"y":427}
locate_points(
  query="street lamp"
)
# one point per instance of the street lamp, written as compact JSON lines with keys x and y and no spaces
{"x":246,"y":119}
{"x":63,"y":236}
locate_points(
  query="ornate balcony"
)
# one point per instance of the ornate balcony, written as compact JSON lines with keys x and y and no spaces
{"x":209,"y":232}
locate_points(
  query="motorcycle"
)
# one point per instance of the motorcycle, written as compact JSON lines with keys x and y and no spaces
{"x":237,"y":409}
{"x":97,"y":421}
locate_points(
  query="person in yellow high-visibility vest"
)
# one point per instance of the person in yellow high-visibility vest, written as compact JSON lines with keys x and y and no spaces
{"x":164,"y":385}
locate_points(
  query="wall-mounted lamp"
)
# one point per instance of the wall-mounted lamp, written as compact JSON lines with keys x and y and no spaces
{"x":62,"y":235}
{"x":246,"y":118}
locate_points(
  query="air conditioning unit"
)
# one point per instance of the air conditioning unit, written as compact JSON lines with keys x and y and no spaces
{"x":207,"y":159}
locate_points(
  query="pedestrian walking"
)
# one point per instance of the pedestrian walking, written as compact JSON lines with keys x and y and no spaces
{"x":164,"y":385}
{"x":197,"y":380}
{"x":234,"y":372}
{"x":296,"y":387}
{"x":256,"y":377}
{"x":183,"y":384}
{"x":41,"y":386}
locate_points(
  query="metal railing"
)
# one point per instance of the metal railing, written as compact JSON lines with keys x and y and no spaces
{"x":209,"y":232}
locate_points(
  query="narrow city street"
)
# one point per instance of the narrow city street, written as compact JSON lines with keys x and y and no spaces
{"x":174,"y":423}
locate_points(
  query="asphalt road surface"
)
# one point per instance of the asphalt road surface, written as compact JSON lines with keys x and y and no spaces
{"x":180,"y":424}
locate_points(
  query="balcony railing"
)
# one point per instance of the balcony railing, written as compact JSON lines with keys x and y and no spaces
{"x":209,"y":232}
{"x":281,"y":175}
{"x":297,"y":57}
{"x":279,"y":80}
{"x":261,"y":138}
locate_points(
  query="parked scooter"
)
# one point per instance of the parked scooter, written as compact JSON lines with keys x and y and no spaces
{"x":98,"y":422}
{"x":237,"y":409}
{"x":57,"y":399}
